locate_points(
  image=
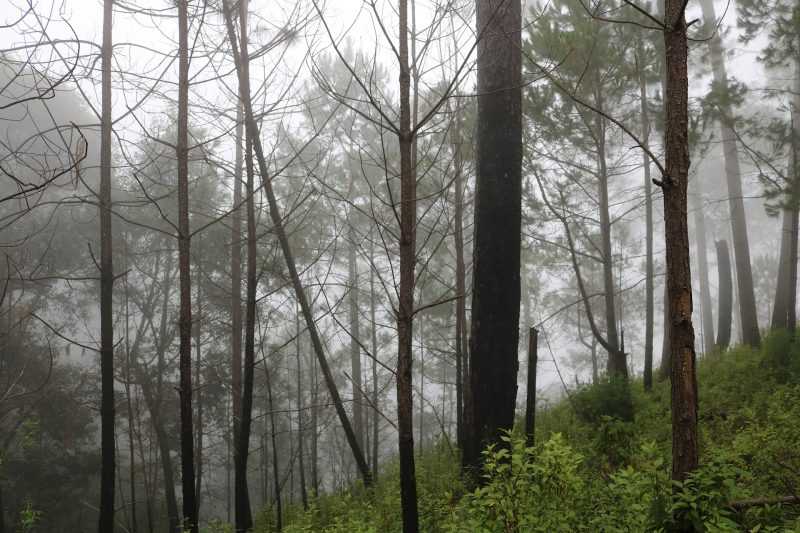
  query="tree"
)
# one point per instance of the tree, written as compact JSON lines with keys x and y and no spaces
{"x":676,"y":236}
{"x":496,"y":254}
{"x":190,"y":510}
{"x":741,"y":245}
{"x":107,"y":443}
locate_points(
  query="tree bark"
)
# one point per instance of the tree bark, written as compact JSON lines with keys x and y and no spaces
{"x":374,"y":331}
{"x":355,"y":336}
{"x":107,"y":412}
{"x":702,"y":269}
{"x":784,"y":314}
{"x":498,"y":212}
{"x":300,"y":408}
{"x":185,"y":313}
{"x":679,"y":278}
{"x":530,"y":399}
{"x":405,"y":314}
{"x":461,"y":313}
{"x":273,"y":438}
{"x":725,"y":295}
{"x":741,"y":245}
{"x":648,"y":211}
{"x":236,"y":289}
{"x":277,"y":221}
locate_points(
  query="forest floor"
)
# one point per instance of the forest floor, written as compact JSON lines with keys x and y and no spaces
{"x":591,"y":470}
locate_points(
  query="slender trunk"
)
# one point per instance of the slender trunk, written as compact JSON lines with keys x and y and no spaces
{"x":277,"y":221}
{"x":274,"y":441}
{"x":461,"y":313}
{"x":134,"y":527}
{"x":185,"y":315}
{"x":498,"y":213}
{"x":244,"y":519}
{"x":616,"y":358}
{"x":300,"y":431}
{"x":784,"y":314}
{"x":355,"y":336}
{"x":702,"y":270}
{"x":199,"y":384}
{"x":648,"y":211}
{"x":530,"y":399}
{"x":741,"y":245}
{"x":679,"y":278}
{"x":374,"y":328}
{"x":405,"y":315}
{"x":421,"y":383}
{"x":725,"y":295}
{"x":107,"y":414}
{"x":236,"y":292}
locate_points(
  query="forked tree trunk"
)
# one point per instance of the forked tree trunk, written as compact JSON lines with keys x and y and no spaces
{"x":107,"y":414}
{"x":679,"y":278}
{"x":498,"y":213}
{"x":725,"y":295}
{"x":741,"y":245}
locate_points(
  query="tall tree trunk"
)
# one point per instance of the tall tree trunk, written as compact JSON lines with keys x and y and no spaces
{"x":725,"y":295}
{"x":283,"y":240}
{"x":617,"y":365}
{"x":236,"y":291}
{"x":421,"y":384}
{"x":679,"y":278}
{"x":784,"y":313}
{"x":300,"y":410}
{"x":702,"y":269}
{"x":185,"y":314}
{"x":199,"y":384}
{"x":648,"y":212}
{"x":530,"y":399}
{"x":374,"y":331}
{"x":107,"y":414}
{"x":498,"y":215}
{"x":461,"y":305}
{"x":741,"y":245}
{"x":405,"y":315}
{"x":134,"y":527}
{"x":355,"y":336}
{"x":274,"y":441}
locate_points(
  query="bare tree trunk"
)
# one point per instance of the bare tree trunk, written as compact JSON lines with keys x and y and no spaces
{"x":461,"y":313}
{"x":648,"y":212}
{"x":355,"y":336}
{"x":617,"y":365}
{"x":199,"y":386}
{"x":405,"y":315}
{"x":741,"y":245}
{"x":374,"y":328}
{"x":679,"y":278}
{"x":498,"y":213}
{"x":300,"y":408}
{"x":530,"y":399}
{"x":185,"y":315}
{"x":273,"y":438}
{"x":277,"y":221}
{"x":421,"y":384}
{"x":784,"y":314}
{"x":702,"y":270}
{"x":134,"y":527}
{"x":236,"y":289}
{"x":725,"y":295}
{"x":244,"y":520}
{"x":107,"y":414}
